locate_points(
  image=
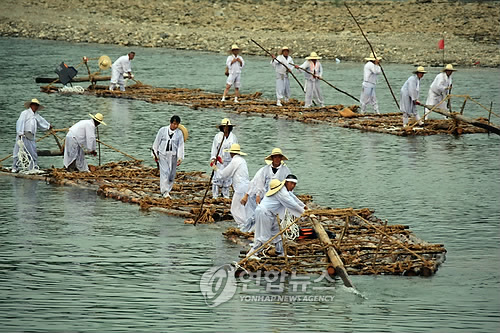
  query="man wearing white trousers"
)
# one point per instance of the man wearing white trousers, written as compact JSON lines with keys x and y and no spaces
{"x":121,"y":66}
{"x":234,"y":65}
{"x":439,"y":89}
{"x":282,"y":64}
{"x":81,"y":136}
{"x":169,"y":149}
{"x":226,"y":138}
{"x":370,"y":72}
{"x":313,"y":90}
{"x":409,"y":96}
{"x":26,"y":126}
{"x":237,"y":170}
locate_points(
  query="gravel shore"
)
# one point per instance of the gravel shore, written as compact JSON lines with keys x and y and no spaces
{"x":400,"y":31}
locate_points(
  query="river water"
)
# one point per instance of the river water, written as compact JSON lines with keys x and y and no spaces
{"x":73,"y":261}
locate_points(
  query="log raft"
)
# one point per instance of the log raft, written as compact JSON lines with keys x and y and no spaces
{"x":254,"y":105}
{"x":363,"y":243}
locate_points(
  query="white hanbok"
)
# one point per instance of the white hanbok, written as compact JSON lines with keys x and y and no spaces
{"x":282,"y":80}
{"x":237,"y":170}
{"x":313,"y":89}
{"x":438,"y":90}
{"x":217,"y":181}
{"x":169,"y":147}
{"x":121,"y":66}
{"x":234,"y":77}
{"x":409,"y":94}
{"x":266,"y":216}
{"x":26,"y":127}
{"x":368,"y":96}
{"x":80,"y":137}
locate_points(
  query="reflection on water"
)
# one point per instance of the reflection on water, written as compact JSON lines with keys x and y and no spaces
{"x":72,"y":261}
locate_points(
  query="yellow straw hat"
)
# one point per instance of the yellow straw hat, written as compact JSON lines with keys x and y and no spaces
{"x":235,"y":149}
{"x":284,"y":48}
{"x":276,"y":151}
{"x":448,"y":67}
{"x":312,"y":56}
{"x":104,"y":62}
{"x":420,"y":69}
{"x":274,"y":186}
{"x":184,"y":131}
{"x":225,"y":122}
{"x":234,"y":47}
{"x":98,"y":117}
{"x":373,"y":57}
{"x":33,"y":101}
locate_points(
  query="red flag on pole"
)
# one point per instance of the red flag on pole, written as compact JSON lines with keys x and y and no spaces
{"x":441,"y":44}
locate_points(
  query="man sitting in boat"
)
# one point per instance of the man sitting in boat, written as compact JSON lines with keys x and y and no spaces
{"x":81,"y":137}
{"x":26,"y":126}
{"x":277,"y":199}
{"x":121,"y":66}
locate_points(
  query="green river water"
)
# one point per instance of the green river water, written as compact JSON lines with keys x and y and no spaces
{"x":71,"y":261}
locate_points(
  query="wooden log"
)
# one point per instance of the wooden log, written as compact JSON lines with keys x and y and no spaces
{"x":337,"y":263}
{"x":458,"y":116}
{"x":75,"y":79}
{"x":50,"y":152}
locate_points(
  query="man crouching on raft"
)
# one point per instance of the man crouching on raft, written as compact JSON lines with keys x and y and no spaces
{"x":277,"y":199}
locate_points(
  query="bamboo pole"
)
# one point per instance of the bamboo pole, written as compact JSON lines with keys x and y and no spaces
{"x":337,"y":263}
{"x":373,"y":51}
{"x":378,"y":247}
{"x":115,"y":149}
{"x":285,"y":244}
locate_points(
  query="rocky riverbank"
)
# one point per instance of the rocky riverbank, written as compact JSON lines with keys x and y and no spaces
{"x":401,"y":31}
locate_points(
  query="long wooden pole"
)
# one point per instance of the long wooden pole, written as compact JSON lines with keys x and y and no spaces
{"x":226,"y":128}
{"x":373,"y":51}
{"x":328,"y":83}
{"x":117,"y":150}
{"x":337,"y":263}
{"x":288,"y":69}
{"x":98,"y":143}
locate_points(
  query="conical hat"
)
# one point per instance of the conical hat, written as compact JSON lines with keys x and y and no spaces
{"x":448,"y":67}
{"x":184,"y":131}
{"x":104,"y":62}
{"x":420,"y":69}
{"x":98,"y":117}
{"x":312,"y":56}
{"x":274,"y":186}
{"x":33,"y":101}
{"x":275,"y":151}
{"x":235,"y":149}
{"x":373,"y":57}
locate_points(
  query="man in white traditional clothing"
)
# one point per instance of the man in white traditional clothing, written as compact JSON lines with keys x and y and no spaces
{"x":282,"y":64}
{"x":272,"y":208}
{"x":237,"y":170}
{"x":169,"y":149}
{"x":370,"y":72}
{"x":234,"y":65}
{"x":409,"y":96}
{"x":275,"y":169}
{"x":439,"y":89}
{"x":225,"y":137}
{"x":26,"y":126}
{"x":121,"y":66}
{"x":313,"y":89}
{"x":80,"y":138}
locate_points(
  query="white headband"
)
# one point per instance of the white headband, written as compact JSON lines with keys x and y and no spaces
{"x":291,"y":180}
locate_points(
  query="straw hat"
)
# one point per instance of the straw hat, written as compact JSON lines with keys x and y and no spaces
{"x":184,"y":131}
{"x":234,"y":47}
{"x":104,"y":62}
{"x":235,"y":149}
{"x":313,"y":56}
{"x":274,"y":186}
{"x":33,"y":101}
{"x":420,"y":69}
{"x":98,"y":117}
{"x":373,"y":57}
{"x":225,"y":122}
{"x":448,"y":67}
{"x":283,"y":49}
{"x":274,"y":152}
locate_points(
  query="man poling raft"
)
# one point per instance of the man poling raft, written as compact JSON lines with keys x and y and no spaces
{"x":219,"y":154}
{"x":313,"y":72}
{"x":26,"y":127}
{"x":81,"y":136}
{"x":279,"y":198}
{"x":237,"y":171}
{"x":370,"y":72}
{"x":409,"y":96}
{"x":439,"y":89}
{"x":283,"y":64}
{"x":119,"y":68}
